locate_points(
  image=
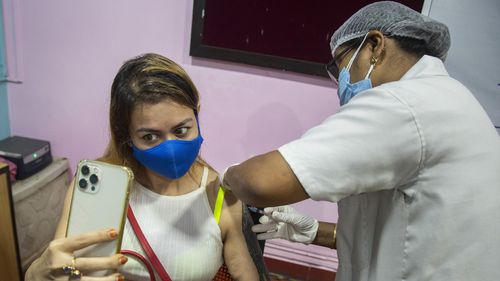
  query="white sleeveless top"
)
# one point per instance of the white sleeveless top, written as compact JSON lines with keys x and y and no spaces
{"x":181,"y":230}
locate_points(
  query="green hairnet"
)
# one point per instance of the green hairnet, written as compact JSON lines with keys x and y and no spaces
{"x":394,"y":19}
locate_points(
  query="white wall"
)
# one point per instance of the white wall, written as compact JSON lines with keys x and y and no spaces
{"x":474,"y":56}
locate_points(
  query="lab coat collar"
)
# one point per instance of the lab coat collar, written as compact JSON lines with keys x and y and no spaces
{"x":426,"y":66}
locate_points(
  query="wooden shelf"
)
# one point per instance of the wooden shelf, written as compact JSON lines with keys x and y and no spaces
{"x":10,"y":265}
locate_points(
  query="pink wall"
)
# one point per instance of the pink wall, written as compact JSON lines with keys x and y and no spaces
{"x":69,"y":52}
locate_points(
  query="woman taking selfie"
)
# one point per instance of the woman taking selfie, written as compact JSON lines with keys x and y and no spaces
{"x":155,"y":131}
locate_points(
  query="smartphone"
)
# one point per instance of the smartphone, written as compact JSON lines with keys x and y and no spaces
{"x":100,"y":201}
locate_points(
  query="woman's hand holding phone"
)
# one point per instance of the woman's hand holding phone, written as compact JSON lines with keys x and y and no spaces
{"x":97,"y":199}
{"x":59,"y":256}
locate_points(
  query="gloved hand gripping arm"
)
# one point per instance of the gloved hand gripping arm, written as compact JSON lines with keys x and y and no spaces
{"x":286,"y":223}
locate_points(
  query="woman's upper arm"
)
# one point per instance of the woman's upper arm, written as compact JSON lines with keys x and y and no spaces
{"x":236,"y":255}
{"x":63,"y":221}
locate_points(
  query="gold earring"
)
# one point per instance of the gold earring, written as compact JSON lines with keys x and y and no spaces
{"x":373,"y":60}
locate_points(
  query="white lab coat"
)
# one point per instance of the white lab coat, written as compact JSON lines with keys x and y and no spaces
{"x":415,"y":168}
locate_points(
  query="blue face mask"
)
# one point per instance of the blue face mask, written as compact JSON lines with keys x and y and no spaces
{"x":346,"y":89}
{"x":171,"y":158}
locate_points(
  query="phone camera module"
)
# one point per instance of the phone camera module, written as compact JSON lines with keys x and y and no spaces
{"x":85,"y":170}
{"x":83,"y":183}
{"x":93,"y":179}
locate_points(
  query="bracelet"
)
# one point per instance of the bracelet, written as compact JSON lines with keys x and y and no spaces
{"x":335,"y":236}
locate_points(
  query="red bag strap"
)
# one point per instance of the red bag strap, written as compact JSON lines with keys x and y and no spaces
{"x":143,"y":260}
{"x":145,"y":245}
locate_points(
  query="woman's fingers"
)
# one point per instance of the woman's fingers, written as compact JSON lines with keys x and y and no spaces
{"x":112,"y":277}
{"x":87,"y":265}
{"x":71,"y":244}
{"x":57,"y":261}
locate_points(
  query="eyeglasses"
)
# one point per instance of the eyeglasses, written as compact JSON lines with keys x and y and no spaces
{"x":332,"y":68}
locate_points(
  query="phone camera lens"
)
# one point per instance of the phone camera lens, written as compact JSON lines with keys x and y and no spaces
{"x":85,"y":170}
{"x":93,"y":179}
{"x":83,"y":183}
{"x":93,"y":188}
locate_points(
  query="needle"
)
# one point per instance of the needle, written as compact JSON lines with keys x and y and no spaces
{"x":255,"y":210}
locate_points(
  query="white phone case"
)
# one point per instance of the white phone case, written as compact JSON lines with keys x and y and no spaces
{"x":99,"y":204}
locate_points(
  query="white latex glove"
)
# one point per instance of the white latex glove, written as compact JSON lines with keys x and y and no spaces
{"x":286,"y":223}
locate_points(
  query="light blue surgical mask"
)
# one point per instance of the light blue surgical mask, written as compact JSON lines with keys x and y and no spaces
{"x":346,"y":89}
{"x":171,"y":158}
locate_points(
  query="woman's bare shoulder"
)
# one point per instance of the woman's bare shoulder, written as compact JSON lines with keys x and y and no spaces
{"x":231,"y":208}
{"x":212,"y":187}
